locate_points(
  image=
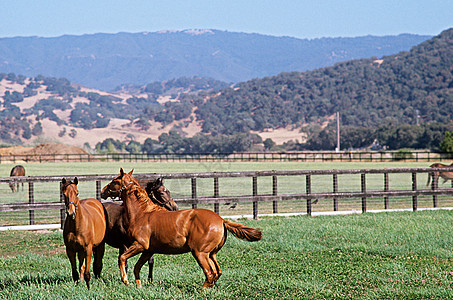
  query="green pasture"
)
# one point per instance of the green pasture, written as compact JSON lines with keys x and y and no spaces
{"x":398,"y":255}
{"x":228,"y":186}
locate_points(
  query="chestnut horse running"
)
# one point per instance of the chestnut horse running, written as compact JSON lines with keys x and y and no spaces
{"x":156,"y":230}
{"x":16,"y":171}
{"x":436,"y":174}
{"x":83,"y":231}
{"x":117,"y":219}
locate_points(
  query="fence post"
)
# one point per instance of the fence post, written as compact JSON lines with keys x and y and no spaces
{"x":255,"y":193}
{"x":335,"y":190}
{"x":62,"y":211}
{"x":216,"y":194}
{"x":414,"y":188}
{"x":363,"y":180}
{"x":434,"y":187}
{"x":308,"y":191}
{"x":98,"y":190}
{"x":386,"y":189}
{"x":194,"y":191}
{"x":274,"y":193}
{"x":31,"y":200}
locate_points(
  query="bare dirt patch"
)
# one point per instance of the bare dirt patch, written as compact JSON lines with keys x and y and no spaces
{"x":41,"y":149}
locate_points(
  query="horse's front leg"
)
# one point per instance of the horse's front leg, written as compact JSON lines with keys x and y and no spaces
{"x":81,"y":255}
{"x":150,"y":265}
{"x":133,"y":250}
{"x":72,"y":259}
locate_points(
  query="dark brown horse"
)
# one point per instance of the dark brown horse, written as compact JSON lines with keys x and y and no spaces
{"x":436,"y":174}
{"x":83,"y":231}
{"x":16,"y":171}
{"x":156,"y":230}
{"x":117,"y":219}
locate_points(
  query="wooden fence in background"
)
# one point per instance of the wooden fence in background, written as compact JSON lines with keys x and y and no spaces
{"x":353,"y":156}
{"x":275,"y":197}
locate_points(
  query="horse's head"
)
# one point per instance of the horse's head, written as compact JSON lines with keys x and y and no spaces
{"x":160,"y":195}
{"x":118,"y":184}
{"x":71,"y":196}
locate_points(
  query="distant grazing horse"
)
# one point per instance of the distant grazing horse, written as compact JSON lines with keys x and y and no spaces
{"x":156,"y":230}
{"x":117,"y":219}
{"x":16,"y":171}
{"x":435,"y":175}
{"x":83,"y":231}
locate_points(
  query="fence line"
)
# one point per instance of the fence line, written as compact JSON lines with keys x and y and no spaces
{"x":346,"y":156}
{"x":362,"y":193}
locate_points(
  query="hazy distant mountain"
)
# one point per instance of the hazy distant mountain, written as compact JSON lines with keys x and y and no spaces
{"x":105,"y":61}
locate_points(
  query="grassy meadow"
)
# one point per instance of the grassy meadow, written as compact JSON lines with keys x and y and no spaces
{"x":392,"y":255}
{"x":398,"y":255}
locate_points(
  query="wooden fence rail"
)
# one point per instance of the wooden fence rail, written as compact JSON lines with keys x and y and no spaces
{"x":352,"y":156}
{"x":254,"y":197}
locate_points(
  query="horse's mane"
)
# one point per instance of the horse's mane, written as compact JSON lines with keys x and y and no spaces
{"x":143,"y":200}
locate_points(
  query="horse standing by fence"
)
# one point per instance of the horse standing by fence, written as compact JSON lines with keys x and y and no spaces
{"x":117,"y":219}
{"x":83,"y":231}
{"x":16,"y":171}
{"x":436,"y":174}
{"x":156,"y":230}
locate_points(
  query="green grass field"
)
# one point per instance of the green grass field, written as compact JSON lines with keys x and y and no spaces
{"x":399,"y":255}
{"x":228,"y":186}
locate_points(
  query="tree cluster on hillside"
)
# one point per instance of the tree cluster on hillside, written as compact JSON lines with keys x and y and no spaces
{"x":173,"y":142}
{"x":391,"y":137}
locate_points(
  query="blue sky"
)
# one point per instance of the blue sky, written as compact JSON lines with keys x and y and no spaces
{"x":301,"y":19}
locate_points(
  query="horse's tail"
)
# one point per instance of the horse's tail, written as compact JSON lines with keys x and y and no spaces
{"x":242,"y":232}
{"x":429,"y":178}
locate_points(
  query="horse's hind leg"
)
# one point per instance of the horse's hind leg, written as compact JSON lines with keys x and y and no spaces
{"x":138,"y":266}
{"x":150,"y":266}
{"x":72,"y":259}
{"x":213,"y":257}
{"x":89,"y":253}
{"x":208,"y":266}
{"x":98,"y":253}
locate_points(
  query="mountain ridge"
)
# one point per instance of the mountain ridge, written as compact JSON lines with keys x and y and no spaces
{"x":105,"y":61}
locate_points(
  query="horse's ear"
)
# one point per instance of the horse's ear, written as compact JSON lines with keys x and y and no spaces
{"x":130,"y":173}
{"x":62,"y":184}
{"x":121,"y":171}
{"x":76,"y":181}
{"x":162,"y":180}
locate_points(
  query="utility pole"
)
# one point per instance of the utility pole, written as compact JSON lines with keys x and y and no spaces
{"x":338,"y":132}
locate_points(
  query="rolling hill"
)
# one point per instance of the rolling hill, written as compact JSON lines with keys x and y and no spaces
{"x":404,"y":88}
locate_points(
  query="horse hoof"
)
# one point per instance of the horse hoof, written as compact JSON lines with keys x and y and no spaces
{"x":138,"y":283}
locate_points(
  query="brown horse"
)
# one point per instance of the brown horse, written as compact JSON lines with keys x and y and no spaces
{"x":156,"y":230}
{"x":16,"y":171}
{"x":117,"y":219}
{"x":83,"y":231}
{"x":436,"y":174}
